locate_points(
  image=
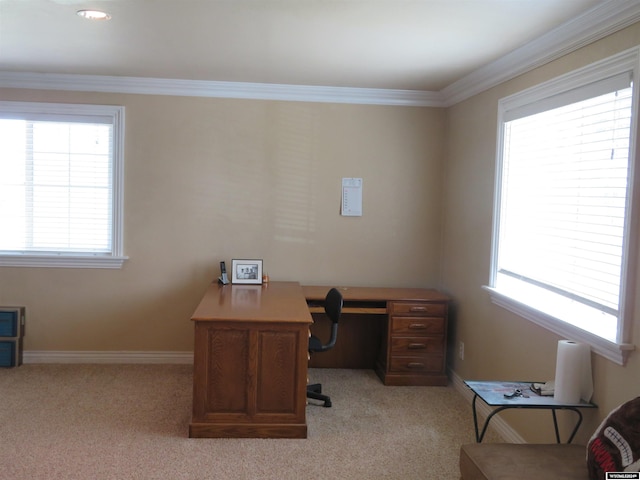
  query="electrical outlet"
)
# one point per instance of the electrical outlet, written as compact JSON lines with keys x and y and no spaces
{"x":461,"y":350}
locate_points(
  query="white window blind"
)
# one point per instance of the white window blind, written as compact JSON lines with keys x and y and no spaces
{"x":562,"y":232}
{"x":59,"y":191}
{"x":563,"y":205}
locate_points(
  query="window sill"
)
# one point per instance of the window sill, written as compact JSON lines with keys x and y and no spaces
{"x":616,"y":352}
{"x":62,"y":261}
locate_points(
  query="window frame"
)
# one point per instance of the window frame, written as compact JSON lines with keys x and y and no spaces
{"x":115,"y":259}
{"x":627,"y":61}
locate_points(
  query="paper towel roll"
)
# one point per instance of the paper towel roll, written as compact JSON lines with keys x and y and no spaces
{"x":573,"y":372}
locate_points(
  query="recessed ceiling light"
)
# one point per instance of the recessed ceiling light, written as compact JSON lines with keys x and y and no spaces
{"x":94,"y":14}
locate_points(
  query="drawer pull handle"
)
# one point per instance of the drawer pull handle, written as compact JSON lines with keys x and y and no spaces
{"x":417,"y":326}
{"x":417,"y":346}
{"x":415,"y":365}
{"x":418,"y":309}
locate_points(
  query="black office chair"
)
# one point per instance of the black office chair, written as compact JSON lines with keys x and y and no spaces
{"x":333,"y":309}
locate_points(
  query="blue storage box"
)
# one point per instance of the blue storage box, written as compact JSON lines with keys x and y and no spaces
{"x":11,"y":333}
{"x":11,"y":321}
{"x":9,"y":351}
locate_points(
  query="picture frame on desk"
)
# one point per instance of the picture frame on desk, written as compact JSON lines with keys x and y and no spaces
{"x":247,"y":272}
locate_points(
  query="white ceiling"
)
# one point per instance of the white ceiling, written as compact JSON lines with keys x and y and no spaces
{"x":392,"y":44}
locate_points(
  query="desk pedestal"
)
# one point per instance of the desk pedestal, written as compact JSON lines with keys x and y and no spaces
{"x":406,"y":343}
{"x":249,"y":380}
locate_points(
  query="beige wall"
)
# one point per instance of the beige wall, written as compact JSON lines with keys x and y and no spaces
{"x":499,"y":344}
{"x":216,"y":179}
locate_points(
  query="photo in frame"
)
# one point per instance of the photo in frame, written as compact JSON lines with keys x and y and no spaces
{"x":246,"y":271}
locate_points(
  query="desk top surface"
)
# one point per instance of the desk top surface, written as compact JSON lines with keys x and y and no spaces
{"x":270,"y":302}
{"x":380,"y":294}
{"x":287,"y":301}
{"x":493,"y":393}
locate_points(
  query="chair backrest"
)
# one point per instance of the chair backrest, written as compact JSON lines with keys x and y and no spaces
{"x":333,"y":309}
{"x":333,"y":305}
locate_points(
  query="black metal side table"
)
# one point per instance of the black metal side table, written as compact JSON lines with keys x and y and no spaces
{"x":506,"y":395}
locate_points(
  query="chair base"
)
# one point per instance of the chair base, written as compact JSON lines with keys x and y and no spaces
{"x":314,"y":391}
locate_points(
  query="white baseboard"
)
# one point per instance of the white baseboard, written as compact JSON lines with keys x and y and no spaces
{"x":497,"y":424}
{"x":34,"y":356}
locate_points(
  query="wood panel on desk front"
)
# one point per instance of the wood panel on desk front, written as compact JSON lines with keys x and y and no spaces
{"x":358,"y":343}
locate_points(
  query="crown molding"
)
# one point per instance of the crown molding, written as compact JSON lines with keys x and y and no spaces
{"x":602,"y":20}
{"x":216,"y":89}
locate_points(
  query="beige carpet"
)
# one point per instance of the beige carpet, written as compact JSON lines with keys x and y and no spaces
{"x":131,"y":422}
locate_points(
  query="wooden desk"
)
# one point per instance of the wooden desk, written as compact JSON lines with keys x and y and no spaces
{"x":403,"y":335}
{"x":250,"y":362}
{"x":251,"y":341}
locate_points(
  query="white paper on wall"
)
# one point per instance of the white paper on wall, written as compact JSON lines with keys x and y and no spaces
{"x":351,"y":205}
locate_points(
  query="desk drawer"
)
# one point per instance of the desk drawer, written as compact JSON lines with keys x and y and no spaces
{"x":416,"y":308}
{"x":417,"y":345}
{"x":9,"y":326}
{"x":11,"y":321}
{"x":426,"y":364}
{"x":417,"y":325}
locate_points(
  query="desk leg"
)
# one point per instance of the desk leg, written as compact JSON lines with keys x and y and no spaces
{"x":578,"y":423}
{"x":480,"y":436}
{"x":575,"y":428}
{"x":555,"y":424}
{"x":475,"y":418}
{"x":486,"y":422}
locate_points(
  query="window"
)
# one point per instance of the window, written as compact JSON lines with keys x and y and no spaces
{"x":563,"y":232}
{"x":61,"y":185}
